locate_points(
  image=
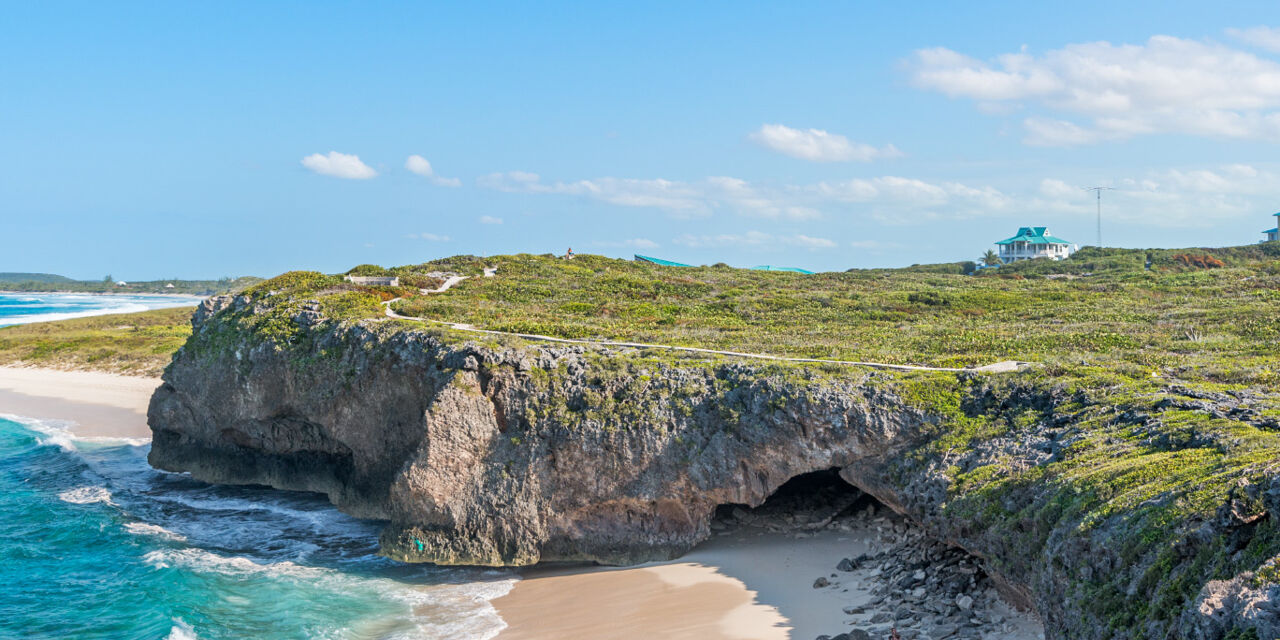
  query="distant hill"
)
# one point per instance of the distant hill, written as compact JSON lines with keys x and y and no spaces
{"x":43,"y":282}
{"x":33,"y":277}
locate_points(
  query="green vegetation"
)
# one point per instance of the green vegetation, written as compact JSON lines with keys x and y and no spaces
{"x":1151,"y":404}
{"x":129,"y":343}
{"x":1129,"y":345}
{"x":1218,"y":325}
{"x":44,"y":282}
{"x":33,"y":277}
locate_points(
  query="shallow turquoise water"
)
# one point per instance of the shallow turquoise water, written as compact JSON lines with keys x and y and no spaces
{"x":21,"y":308}
{"x":96,"y":544}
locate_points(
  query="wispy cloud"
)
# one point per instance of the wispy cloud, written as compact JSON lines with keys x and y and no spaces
{"x":674,"y":197}
{"x":339,"y":165}
{"x":490,"y":220}
{"x":818,"y":145}
{"x":419,"y":165}
{"x":1267,"y":38}
{"x":1185,"y":197}
{"x":1099,"y":91}
{"x":430,"y":237}
{"x":752,"y":239}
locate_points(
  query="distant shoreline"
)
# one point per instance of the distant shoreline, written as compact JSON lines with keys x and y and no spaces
{"x":106,"y":293}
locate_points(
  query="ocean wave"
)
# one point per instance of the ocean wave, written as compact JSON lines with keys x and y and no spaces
{"x":86,"y":495}
{"x":153,"y":530}
{"x":90,"y":305}
{"x":58,"y":433}
{"x":442,"y":610}
{"x":69,"y":315}
{"x":181,"y":631}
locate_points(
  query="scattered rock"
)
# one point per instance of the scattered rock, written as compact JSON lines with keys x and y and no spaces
{"x":820,"y":583}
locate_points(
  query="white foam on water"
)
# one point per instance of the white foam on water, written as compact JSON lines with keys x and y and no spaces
{"x":59,"y":434}
{"x":107,"y":304}
{"x":86,"y":495}
{"x":181,"y":631}
{"x":449,"y":610}
{"x":452,"y":609}
{"x":156,"y":531}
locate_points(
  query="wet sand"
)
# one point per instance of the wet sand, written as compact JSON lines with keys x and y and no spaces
{"x":100,"y":404}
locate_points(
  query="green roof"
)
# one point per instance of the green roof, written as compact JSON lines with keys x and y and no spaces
{"x":660,"y":261}
{"x":769,"y":267}
{"x":1034,"y":235}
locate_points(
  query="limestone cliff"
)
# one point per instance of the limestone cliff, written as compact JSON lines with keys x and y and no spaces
{"x":517,"y":453}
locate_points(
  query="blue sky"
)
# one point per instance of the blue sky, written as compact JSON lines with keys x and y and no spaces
{"x":152,"y":140}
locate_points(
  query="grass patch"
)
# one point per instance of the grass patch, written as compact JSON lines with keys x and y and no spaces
{"x":130,"y":343}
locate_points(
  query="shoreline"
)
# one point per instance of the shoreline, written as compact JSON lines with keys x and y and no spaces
{"x":744,"y":583}
{"x":99,"y":404}
{"x":748,"y":583}
{"x":105,"y":293}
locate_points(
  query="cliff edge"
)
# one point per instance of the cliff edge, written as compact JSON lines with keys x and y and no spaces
{"x":1123,"y":511}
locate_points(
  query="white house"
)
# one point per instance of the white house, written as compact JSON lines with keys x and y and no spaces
{"x":1034,"y":242}
{"x":1271,"y":235}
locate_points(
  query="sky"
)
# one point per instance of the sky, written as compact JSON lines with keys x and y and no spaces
{"x":202,"y":140}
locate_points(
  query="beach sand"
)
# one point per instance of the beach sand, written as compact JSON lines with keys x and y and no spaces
{"x":748,"y":584}
{"x":100,"y":404}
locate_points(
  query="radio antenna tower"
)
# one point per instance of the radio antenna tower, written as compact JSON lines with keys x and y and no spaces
{"x":1099,"y":190}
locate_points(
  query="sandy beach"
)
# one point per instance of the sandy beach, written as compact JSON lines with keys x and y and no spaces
{"x":100,"y":404}
{"x":745,"y":584}
{"x":748,"y":585}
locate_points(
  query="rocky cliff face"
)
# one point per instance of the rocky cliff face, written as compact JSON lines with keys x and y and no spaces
{"x":512,"y":454}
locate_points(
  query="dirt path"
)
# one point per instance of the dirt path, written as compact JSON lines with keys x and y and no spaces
{"x":999,"y":367}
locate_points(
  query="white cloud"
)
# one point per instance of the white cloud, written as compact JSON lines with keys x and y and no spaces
{"x":419,"y":165}
{"x":1182,"y":197}
{"x":1267,"y":38}
{"x":742,"y":197}
{"x":339,"y":165}
{"x":490,"y":220}
{"x":430,"y":237}
{"x":1054,"y":188}
{"x":752,"y":239}
{"x":1171,"y":198}
{"x":682,"y":199}
{"x":675,"y":197}
{"x":818,"y":145}
{"x":1115,"y":92}
{"x":633,"y":243}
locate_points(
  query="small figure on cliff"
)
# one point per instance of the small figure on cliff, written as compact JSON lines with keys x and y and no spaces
{"x":568,"y":255}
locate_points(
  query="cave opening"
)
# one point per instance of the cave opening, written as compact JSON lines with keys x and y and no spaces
{"x":809,"y":501}
{"x":888,"y":577}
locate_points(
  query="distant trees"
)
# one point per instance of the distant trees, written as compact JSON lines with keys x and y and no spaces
{"x":108,"y":279}
{"x":990,"y":259}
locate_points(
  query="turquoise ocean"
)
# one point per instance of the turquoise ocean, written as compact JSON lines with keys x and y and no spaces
{"x":96,"y":544}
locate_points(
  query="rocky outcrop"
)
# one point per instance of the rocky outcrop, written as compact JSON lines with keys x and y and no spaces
{"x":513,"y":454}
